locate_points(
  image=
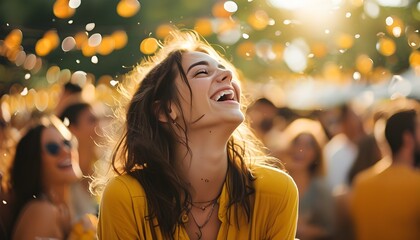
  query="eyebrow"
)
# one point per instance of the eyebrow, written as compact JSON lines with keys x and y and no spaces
{"x":204,"y":63}
{"x":196,"y":64}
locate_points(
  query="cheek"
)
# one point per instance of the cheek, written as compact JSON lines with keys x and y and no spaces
{"x":48,"y":166}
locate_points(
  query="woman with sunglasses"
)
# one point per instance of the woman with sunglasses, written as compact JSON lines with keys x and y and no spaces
{"x":188,"y":166}
{"x":44,"y":167}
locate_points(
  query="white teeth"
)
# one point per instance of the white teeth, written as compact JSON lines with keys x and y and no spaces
{"x":66,"y":163}
{"x":222,"y":93}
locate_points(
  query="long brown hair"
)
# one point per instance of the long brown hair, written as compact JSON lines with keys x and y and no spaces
{"x":146,"y":149}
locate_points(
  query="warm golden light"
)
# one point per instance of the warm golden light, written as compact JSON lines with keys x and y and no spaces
{"x":319,"y":49}
{"x":107,"y":45}
{"x":42,"y":47}
{"x":87,"y":50}
{"x":344,"y":41}
{"x":364,"y":64}
{"x":149,"y":45}
{"x":52,"y":74}
{"x":163,"y":30}
{"x":394,"y":25}
{"x":120,"y":39}
{"x":415,"y":59}
{"x":13,"y":39}
{"x":332,"y":72}
{"x":53,"y":38}
{"x":258,"y":20}
{"x":386,"y":46}
{"x":203,"y":27}
{"x":80,"y":38}
{"x":61,"y":9}
{"x":246,"y":50}
{"x":219,"y":10}
{"x":128,"y":8}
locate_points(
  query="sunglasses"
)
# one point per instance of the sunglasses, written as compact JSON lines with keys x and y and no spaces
{"x":53,"y":148}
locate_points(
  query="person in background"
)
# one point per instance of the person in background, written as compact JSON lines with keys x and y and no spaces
{"x":71,"y":94}
{"x":186,"y":166}
{"x":261,"y":114}
{"x":44,"y":167}
{"x":82,"y":123}
{"x":304,"y":160}
{"x":385,"y":204}
{"x":368,"y":154}
{"x":341,"y":151}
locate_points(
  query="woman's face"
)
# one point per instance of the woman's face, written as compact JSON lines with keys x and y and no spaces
{"x":302,"y":152}
{"x":87,"y":124}
{"x":59,"y":158}
{"x":215,"y":95}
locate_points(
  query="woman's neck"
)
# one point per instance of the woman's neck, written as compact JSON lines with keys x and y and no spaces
{"x":58,"y":194}
{"x":205,"y":166}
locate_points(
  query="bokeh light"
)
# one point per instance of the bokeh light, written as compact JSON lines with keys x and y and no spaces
{"x":258,"y":20}
{"x":43,"y":47}
{"x":386,"y":46}
{"x":364,"y":64}
{"x":61,"y":9}
{"x":414,"y":59}
{"x":128,"y":8}
{"x":120,"y":39}
{"x":203,"y":26}
{"x":220,"y":11}
{"x":106,"y":46}
{"x":149,"y":45}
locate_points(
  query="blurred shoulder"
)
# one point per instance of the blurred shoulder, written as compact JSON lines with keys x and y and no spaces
{"x":38,"y":218}
{"x":40,"y":208}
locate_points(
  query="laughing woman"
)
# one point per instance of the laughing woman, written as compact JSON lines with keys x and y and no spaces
{"x":187,"y":166}
{"x":44,"y":168}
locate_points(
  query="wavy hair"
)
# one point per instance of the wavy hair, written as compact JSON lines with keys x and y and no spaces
{"x":145,"y":145}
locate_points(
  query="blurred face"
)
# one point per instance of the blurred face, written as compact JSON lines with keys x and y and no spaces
{"x":86,"y":125}
{"x":59,"y":158}
{"x":302,"y":152}
{"x":215,"y":95}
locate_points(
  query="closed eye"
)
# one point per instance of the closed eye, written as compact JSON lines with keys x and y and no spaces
{"x":201,"y":71}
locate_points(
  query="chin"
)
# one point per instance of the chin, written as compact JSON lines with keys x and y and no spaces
{"x":236,"y":118}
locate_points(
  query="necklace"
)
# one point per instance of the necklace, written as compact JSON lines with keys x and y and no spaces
{"x":202,"y":208}
{"x":201,"y":226}
{"x":208,"y":203}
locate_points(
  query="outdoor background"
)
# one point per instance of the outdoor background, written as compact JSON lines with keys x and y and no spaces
{"x":304,"y":54}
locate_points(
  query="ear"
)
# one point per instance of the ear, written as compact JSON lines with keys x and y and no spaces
{"x":157,"y":106}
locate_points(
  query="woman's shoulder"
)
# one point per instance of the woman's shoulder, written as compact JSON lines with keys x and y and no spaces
{"x":40,"y":208}
{"x":38,"y":216}
{"x":124,"y":184}
{"x":271,"y":180}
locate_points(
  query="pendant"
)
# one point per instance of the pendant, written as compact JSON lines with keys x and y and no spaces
{"x":199,"y":234}
{"x":184,"y":218}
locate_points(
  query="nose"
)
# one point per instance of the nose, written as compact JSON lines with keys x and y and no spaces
{"x":224,"y":74}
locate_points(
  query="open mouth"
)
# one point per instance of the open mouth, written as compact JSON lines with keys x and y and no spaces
{"x":224,"y":95}
{"x":65,"y":164}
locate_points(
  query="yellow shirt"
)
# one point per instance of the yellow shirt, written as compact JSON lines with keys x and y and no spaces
{"x":274,"y":214}
{"x":386,"y":205}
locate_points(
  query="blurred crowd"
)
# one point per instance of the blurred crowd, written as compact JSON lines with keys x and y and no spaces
{"x":357,"y":169}
{"x":47,"y":159}
{"x":352,"y":180}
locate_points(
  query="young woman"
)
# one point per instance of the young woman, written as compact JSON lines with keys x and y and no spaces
{"x":44,"y":167}
{"x":304,"y":160}
{"x":188,"y":166}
